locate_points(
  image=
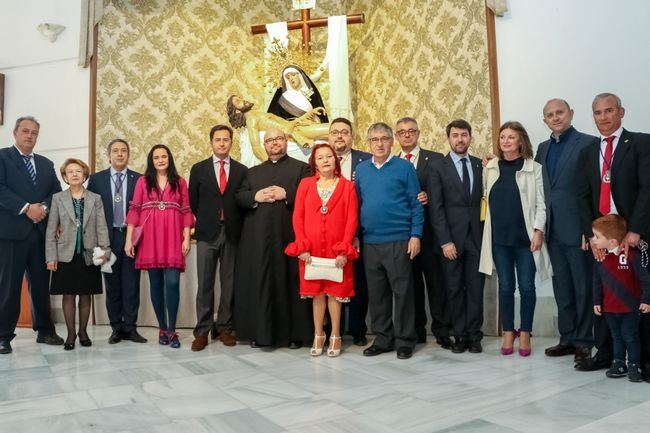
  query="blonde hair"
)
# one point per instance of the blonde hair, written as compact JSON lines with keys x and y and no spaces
{"x":80,"y":163}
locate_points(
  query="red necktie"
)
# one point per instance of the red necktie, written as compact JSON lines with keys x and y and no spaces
{"x":223,"y":180}
{"x":604,"y":205}
{"x":409,"y":156}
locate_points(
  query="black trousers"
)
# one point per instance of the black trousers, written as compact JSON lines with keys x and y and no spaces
{"x":18,"y":258}
{"x":465,"y":295}
{"x":390,"y":294}
{"x":572,"y":287}
{"x":122,"y":288}
{"x":428,"y":278}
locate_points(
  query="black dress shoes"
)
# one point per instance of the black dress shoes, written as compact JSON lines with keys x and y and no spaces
{"x":560,"y":350}
{"x":68,"y":346}
{"x":133,"y":336}
{"x":404,"y":352}
{"x":115,"y":337}
{"x":5,"y":347}
{"x":374,"y":351}
{"x":592,"y":364}
{"x":360,"y":340}
{"x":51,"y":339}
{"x":475,"y":347}
{"x":422,"y":336}
{"x":581,"y":354}
{"x":295,"y":345}
{"x":444,"y":342}
{"x":459,"y":346}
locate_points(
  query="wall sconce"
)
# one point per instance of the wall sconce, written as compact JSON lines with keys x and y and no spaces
{"x":50,"y":31}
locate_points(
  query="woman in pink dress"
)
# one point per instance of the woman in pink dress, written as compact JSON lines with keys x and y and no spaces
{"x":325,"y":222}
{"x":161,"y":207}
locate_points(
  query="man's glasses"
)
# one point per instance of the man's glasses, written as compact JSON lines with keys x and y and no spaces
{"x":403,"y":132}
{"x":342,"y":132}
{"x":273,"y":139}
{"x":384,"y":140}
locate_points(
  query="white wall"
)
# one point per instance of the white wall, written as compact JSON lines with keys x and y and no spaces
{"x":42,"y":78}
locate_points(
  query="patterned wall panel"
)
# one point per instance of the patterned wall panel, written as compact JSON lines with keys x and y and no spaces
{"x":167,"y":67}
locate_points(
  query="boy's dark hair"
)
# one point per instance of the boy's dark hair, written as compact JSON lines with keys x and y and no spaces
{"x":612,"y":226}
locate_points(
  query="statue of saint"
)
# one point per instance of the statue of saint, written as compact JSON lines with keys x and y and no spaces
{"x":297,"y":96}
{"x":304,"y":129}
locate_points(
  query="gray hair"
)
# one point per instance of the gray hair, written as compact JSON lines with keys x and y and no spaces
{"x":600,"y":96}
{"x":380,"y":127}
{"x":405,"y":120}
{"x":30,"y":118}
{"x":118,"y":140}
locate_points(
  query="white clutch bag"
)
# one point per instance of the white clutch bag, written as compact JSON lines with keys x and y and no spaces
{"x":323,"y":269}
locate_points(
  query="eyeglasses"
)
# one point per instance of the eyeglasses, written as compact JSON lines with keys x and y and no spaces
{"x":342,"y":132}
{"x":272,"y":139}
{"x":403,"y":132}
{"x":384,"y":140}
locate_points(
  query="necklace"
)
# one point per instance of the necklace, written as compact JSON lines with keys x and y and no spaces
{"x":325,"y":192}
{"x":161,"y":203}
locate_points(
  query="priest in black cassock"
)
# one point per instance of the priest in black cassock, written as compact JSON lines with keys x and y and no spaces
{"x":268,"y":308}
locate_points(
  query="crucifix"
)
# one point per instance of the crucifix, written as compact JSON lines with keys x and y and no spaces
{"x":306,"y":23}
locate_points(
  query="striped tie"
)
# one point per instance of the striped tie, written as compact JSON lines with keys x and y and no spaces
{"x":30,"y":167}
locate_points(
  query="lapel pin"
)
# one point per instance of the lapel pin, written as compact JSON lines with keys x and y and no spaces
{"x":626,"y":140}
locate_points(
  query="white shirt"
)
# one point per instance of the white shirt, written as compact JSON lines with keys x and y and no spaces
{"x":380,"y":165}
{"x":459,"y":167}
{"x":346,"y":164}
{"x":125,"y":176}
{"x":415,"y":155}
{"x":217,"y":167}
{"x":601,"y":160}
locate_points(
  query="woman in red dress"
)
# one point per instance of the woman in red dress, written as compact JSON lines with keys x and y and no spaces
{"x":325,"y":222}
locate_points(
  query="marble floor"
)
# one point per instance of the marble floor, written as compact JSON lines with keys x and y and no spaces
{"x":142,"y":388}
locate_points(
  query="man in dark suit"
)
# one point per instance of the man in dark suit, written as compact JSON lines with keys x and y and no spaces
{"x":340,"y":138}
{"x":212,"y":187}
{"x":455,"y":189}
{"x":115,"y":185}
{"x":615,"y":179}
{"x":559,"y":157}
{"x":27,"y":182}
{"x":427,"y":268}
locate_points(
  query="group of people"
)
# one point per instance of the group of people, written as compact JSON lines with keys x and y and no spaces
{"x":380,"y":232}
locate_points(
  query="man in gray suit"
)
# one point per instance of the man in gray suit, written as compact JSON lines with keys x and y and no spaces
{"x":559,"y":156}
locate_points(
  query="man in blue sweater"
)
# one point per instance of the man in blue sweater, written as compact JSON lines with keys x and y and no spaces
{"x":391,"y":219}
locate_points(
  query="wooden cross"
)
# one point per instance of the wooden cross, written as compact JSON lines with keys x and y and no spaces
{"x":306,"y":23}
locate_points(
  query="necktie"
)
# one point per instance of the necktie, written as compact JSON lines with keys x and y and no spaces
{"x":466,"y":183}
{"x":604,"y":204}
{"x":409,"y":156}
{"x":118,"y":206}
{"x":223,"y":179}
{"x":30,"y":167}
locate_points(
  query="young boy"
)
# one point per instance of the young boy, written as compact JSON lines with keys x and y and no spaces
{"x":621,"y":288}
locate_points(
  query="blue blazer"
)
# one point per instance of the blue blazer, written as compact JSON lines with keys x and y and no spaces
{"x":357,"y":157}
{"x":17,"y":189}
{"x":100,"y":183}
{"x":561,"y":191}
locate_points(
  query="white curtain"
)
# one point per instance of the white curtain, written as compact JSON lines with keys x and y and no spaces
{"x":337,"y":60}
{"x":91,"y":13}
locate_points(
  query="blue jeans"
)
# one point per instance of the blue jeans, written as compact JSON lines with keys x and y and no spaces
{"x":164,"y":285}
{"x":506,"y":260}
{"x":625,"y":334}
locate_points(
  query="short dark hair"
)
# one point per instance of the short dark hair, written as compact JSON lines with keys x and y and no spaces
{"x":526,"y":148}
{"x":459,"y":124}
{"x":341,"y":120}
{"x":117,"y":140}
{"x":220,"y":128}
{"x":30,"y":118}
{"x":612,"y":226}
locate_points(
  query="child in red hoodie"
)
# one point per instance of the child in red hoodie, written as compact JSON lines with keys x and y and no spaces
{"x":621,"y":289}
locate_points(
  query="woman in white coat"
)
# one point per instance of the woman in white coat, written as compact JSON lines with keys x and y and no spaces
{"x":513,"y":238}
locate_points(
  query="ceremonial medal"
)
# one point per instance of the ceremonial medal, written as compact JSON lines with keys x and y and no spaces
{"x":608,"y":177}
{"x":323,"y":209}
{"x":118,"y":197}
{"x":161,"y":205}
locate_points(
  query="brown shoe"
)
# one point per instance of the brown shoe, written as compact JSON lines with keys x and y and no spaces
{"x":199,"y":343}
{"x":560,"y":350}
{"x":581,"y":355}
{"x":227,"y":338}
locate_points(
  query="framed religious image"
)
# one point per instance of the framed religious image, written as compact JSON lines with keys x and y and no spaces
{"x":2,"y":99}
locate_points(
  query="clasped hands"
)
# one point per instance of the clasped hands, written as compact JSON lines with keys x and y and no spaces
{"x":340,"y":260}
{"x":36,"y":212}
{"x":270,"y":194}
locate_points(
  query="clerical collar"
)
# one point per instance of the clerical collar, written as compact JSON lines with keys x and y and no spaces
{"x":285,"y":156}
{"x":23,"y":154}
